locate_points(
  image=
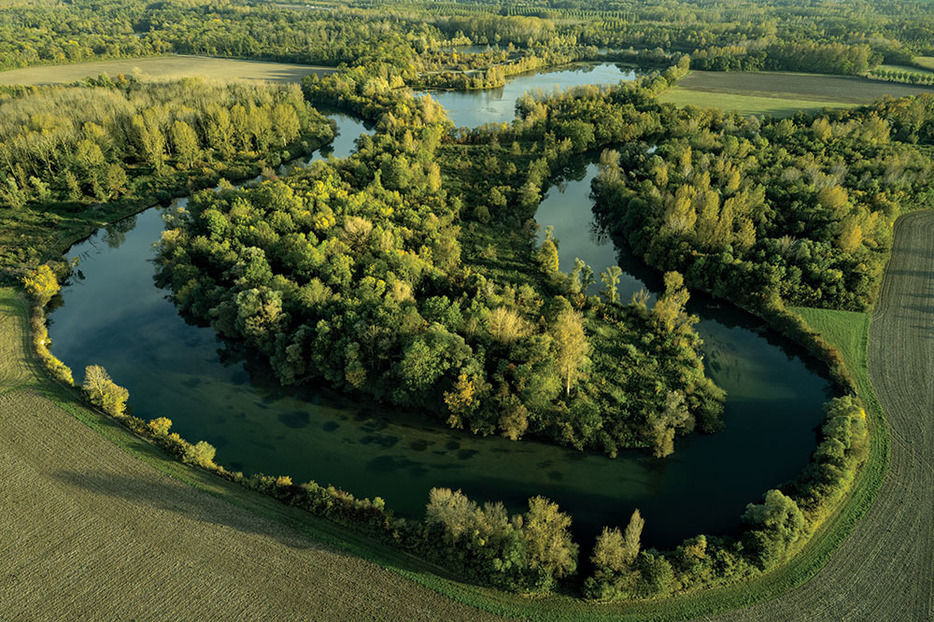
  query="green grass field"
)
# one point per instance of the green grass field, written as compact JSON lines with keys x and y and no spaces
{"x":924,"y":62}
{"x":745,"y":104}
{"x":164,"y":67}
{"x":780,"y":94}
{"x":883,"y":570}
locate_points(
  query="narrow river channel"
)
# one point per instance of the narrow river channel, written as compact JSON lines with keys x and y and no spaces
{"x":112,"y":314}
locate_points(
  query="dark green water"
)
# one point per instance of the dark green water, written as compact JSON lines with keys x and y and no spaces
{"x":113,"y":315}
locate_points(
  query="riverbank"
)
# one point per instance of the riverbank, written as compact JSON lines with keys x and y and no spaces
{"x":679,"y":613}
{"x":110,"y":444}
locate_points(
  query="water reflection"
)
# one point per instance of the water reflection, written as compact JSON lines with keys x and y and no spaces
{"x":473,"y":108}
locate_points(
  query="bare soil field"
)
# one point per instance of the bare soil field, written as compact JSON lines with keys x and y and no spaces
{"x":90,"y":532}
{"x":166,"y":67}
{"x":797,"y":86}
{"x":885,"y":569}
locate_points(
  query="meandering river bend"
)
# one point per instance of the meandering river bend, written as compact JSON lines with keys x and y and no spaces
{"x":112,"y":314}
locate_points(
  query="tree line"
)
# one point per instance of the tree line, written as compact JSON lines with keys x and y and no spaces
{"x":534,"y":551}
{"x":65,"y":149}
{"x":846,"y":38}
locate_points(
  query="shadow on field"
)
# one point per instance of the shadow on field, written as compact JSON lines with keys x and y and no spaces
{"x":177,"y":499}
{"x":290,"y":75}
{"x":918,"y":273}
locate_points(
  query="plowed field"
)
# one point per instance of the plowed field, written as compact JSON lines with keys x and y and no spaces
{"x":885,"y":569}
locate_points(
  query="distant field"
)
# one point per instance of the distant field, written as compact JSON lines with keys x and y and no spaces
{"x":745,"y":104}
{"x":780,"y":94}
{"x":164,"y":67}
{"x":925,"y":62}
{"x":906,"y":69}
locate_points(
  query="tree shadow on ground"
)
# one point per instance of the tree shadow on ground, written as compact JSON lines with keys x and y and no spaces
{"x":181,"y":500}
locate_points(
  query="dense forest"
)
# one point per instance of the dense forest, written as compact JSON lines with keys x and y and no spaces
{"x":487,"y":315}
{"x":63,"y":149}
{"x":845,"y":37}
{"x":798,"y":209}
{"x":359,"y":272}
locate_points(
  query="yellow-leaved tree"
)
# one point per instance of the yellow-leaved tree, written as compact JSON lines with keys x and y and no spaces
{"x":41,"y":284}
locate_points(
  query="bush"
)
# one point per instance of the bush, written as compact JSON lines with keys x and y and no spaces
{"x":200,"y":454}
{"x":104,"y":392}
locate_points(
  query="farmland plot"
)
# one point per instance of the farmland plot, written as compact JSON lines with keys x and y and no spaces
{"x":164,"y":67}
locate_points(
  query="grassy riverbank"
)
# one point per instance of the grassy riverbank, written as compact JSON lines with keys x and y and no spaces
{"x":84,"y":495}
{"x":882,"y":570}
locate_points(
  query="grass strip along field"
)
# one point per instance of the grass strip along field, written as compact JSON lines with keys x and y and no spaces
{"x":885,"y":569}
{"x":164,"y":67}
{"x":97,"y":524}
{"x":779,"y":94}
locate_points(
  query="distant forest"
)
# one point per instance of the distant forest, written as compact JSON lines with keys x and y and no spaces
{"x":846,"y":37}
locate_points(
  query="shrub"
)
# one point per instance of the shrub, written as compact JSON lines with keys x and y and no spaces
{"x":104,"y":392}
{"x":200,"y":454}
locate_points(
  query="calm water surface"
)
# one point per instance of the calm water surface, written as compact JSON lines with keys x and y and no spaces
{"x":473,"y":108}
{"x":113,"y":315}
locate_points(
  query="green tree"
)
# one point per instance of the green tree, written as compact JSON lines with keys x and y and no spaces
{"x":571,"y":346}
{"x":185,"y":143}
{"x":41,"y":284}
{"x":546,"y":530}
{"x":505,"y":326}
{"x":104,"y":392}
{"x":610,"y":278}
{"x":776,"y":524}
{"x":200,"y":454}
{"x":160,"y":426}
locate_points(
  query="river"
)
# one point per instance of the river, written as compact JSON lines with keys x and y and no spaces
{"x":112,"y":314}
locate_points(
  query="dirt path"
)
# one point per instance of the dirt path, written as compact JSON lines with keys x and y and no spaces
{"x":885,"y":569}
{"x":88,"y":532}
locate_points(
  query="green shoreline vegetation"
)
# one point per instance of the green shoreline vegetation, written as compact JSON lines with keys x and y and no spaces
{"x":412,"y":264}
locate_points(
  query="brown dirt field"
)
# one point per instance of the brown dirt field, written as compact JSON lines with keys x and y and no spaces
{"x":885,"y":569}
{"x":88,"y":532}
{"x":164,"y":67}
